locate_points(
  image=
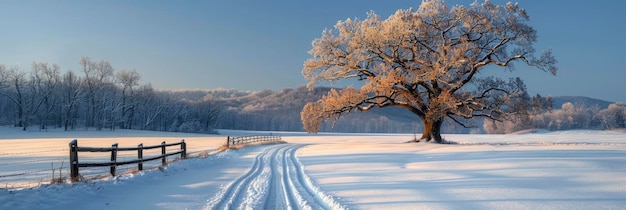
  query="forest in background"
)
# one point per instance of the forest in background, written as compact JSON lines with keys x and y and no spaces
{"x":100,"y":97}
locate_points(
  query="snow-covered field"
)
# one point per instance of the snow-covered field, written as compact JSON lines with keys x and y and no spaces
{"x":544,"y":170}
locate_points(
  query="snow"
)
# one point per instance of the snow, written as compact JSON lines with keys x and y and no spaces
{"x":578,"y":169}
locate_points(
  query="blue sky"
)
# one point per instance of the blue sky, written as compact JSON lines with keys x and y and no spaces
{"x":255,"y":45}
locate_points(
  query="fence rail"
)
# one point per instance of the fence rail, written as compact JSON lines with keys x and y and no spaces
{"x":230,"y":141}
{"x":75,"y":164}
{"x":19,"y":168}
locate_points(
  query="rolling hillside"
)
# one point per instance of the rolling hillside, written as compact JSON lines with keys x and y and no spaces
{"x":576,"y":100}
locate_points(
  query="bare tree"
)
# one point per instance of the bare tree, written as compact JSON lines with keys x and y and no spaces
{"x":129,"y":80}
{"x":87,"y":67}
{"x":71,"y":94}
{"x":24,"y":94}
{"x":150,"y":107}
{"x":17,"y":94}
{"x":46,"y":79}
{"x":5,"y":102}
{"x":97,"y":77}
{"x":207,"y":114}
{"x":4,"y":77}
{"x":424,"y":61}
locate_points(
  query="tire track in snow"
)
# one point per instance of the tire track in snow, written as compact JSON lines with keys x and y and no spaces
{"x":230,"y":194}
{"x":276,"y":180}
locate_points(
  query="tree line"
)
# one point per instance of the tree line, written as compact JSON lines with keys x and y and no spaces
{"x":569,"y":116}
{"x":98,"y":97}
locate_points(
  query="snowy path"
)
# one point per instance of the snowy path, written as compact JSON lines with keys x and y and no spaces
{"x":276,"y":180}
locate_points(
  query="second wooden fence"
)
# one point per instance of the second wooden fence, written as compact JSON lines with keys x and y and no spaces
{"x":230,"y":141}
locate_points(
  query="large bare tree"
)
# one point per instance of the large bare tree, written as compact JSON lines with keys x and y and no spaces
{"x":425,"y":60}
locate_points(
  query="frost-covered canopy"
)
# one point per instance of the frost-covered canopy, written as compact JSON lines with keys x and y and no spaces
{"x":421,"y":60}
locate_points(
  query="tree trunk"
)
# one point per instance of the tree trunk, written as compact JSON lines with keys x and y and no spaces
{"x":432,"y":130}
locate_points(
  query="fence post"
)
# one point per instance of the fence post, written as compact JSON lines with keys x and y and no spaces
{"x":140,"y":156}
{"x":227,"y":141}
{"x":113,"y":158}
{"x":74,"y":160}
{"x":183,"y":147}
{"x":164,"y":158}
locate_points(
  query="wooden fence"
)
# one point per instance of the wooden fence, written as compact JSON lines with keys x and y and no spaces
{"x":75,"y":164}
{"x":230,"y":141}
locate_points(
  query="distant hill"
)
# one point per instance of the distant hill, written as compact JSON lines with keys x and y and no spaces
{"x":576,"y":100}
